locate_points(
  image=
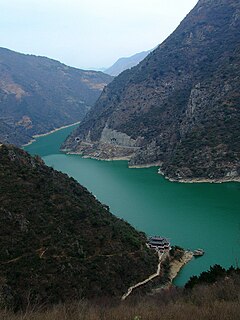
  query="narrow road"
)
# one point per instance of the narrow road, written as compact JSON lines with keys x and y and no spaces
{"x":160,"y":255}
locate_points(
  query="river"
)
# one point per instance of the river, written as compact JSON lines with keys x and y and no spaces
{"x":191,"y":215}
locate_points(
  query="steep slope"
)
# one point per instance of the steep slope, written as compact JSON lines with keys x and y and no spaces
{"x":180,"y":107}
{"x":126,"y":63}
{"x":38,"y":94}
{"x":58,"y":242}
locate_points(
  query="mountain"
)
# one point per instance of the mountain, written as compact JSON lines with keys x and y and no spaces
{"x":58,"y":243}
{"x":180,"y":107}
{"x":38,"y":94}
{"x":126,"y":63}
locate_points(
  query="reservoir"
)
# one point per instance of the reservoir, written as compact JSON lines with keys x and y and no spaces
{"x":191,"y":215}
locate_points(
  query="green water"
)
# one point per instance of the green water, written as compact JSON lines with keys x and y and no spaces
{"x":192,"y":215}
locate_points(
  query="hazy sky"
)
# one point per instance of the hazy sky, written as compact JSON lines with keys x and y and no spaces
{"x":88,"y":33}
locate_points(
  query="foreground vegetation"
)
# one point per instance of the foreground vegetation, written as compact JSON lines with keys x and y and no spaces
{"x":69,"y":258}
{"x":58,"y":243}
{"x":219,"y":301}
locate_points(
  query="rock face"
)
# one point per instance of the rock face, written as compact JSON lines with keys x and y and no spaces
{"x":126,"y":63}
{"x":58,"y":242}
{"x":38,"y":94}
{"x":180,"y":107}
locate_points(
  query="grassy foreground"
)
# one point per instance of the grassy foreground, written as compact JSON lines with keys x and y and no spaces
{"x":220,"y":301}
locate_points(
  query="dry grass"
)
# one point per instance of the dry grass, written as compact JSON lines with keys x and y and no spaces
{"x":217,"y":302}
{"x":82,"y":311}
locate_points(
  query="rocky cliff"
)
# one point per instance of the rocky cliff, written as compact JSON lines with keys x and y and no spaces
{"x":180,"y":107}
{"x":58,"y":243}
{"x":38,"y":94}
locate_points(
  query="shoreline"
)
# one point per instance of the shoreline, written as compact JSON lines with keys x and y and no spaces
{"x":157,"y":164}
{"x":176,"y":266}
{"x":110,"y":159}
{"x":143,"y":166}
{"x":50,"y":132}
{"x":96,"y":158}
{"x":204,"y":180}
{"x":201,"y":180}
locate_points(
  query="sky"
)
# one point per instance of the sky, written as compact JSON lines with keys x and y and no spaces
{"x":88,"y":34}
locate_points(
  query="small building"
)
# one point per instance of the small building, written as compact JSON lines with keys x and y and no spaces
{"x":159,"y":243}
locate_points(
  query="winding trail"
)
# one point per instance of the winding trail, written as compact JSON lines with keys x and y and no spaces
{"x":160,"y":255}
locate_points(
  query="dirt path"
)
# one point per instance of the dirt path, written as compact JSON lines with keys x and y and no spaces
{"x":175,"y":267}
{"x":113,"y":254}
{"x":160,"y":255}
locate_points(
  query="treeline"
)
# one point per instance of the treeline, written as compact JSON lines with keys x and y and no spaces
{"x":215,"y":273}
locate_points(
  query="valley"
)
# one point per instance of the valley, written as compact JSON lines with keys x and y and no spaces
{"x":192,"y":215}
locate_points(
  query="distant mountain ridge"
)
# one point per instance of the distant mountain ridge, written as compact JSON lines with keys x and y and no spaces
{"x":38,"y":94}
{"x":180,"y":107}
{"x":126,"y":63}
